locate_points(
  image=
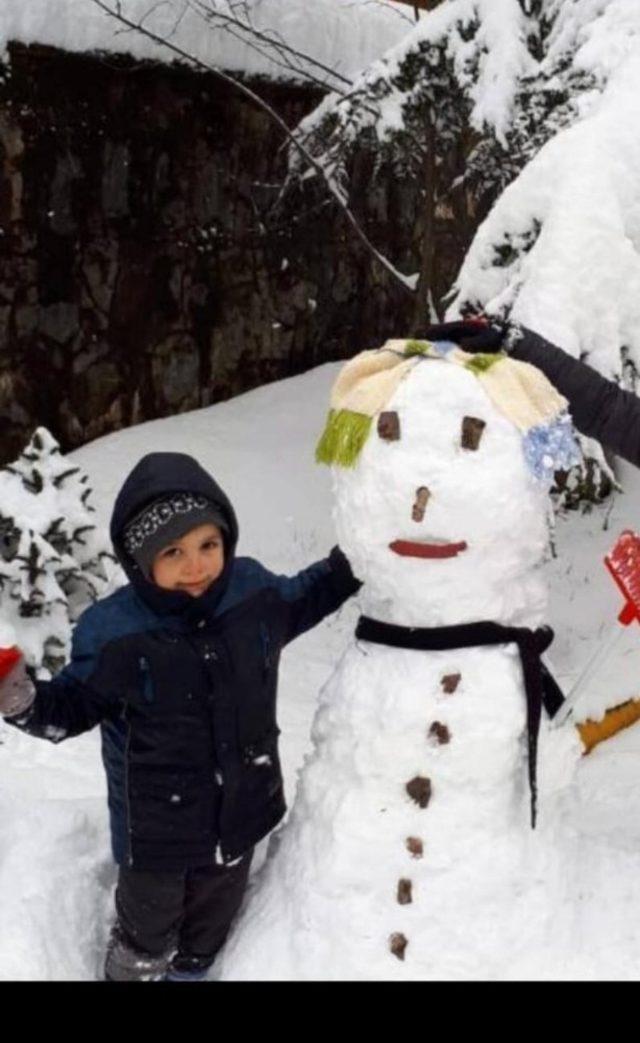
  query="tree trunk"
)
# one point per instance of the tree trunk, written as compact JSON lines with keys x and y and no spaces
{"x":423,"y":306}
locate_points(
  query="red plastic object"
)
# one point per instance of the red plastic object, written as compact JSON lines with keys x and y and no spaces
{"x":8,"y":659}
{"x":623,"y":562}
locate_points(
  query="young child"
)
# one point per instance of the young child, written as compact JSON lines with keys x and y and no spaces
{"x":179,"y":668}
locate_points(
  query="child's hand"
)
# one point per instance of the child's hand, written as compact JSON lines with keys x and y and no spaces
{"x":17,"y":690}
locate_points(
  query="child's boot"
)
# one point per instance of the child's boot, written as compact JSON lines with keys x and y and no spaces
{"x":188,"y":968}
{"x":126,"y":963}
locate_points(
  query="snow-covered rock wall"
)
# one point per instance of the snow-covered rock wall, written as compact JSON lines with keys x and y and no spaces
{"x":141,"y":275}
{"x":142,"y":272}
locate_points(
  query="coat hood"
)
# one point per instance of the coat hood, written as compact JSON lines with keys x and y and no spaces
{"x":154,"y":476}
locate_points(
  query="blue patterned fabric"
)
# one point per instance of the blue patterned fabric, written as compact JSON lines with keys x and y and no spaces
{"x":551,"y":447}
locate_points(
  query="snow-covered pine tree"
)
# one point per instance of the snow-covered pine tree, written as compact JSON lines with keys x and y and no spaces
{"x":515,"y":119}
{"x":432,"y":115}
{"x":54,"y":561}
{"x":560,"y":250}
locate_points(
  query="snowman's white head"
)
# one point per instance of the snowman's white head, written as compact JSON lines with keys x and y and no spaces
{"x":442,"y":465}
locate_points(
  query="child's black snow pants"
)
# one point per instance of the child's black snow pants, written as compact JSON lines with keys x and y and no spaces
{"x":171,"y":925}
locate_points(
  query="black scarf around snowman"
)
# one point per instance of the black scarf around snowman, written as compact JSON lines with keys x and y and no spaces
{"x":524,"y":395}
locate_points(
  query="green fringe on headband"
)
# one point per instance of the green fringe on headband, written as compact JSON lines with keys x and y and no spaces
{"x":417,"y":347}
{"x":481,"y":363}
{"x":344,"y":435}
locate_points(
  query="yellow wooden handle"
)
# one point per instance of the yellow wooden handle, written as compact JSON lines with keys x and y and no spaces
{"x":614,"y":720}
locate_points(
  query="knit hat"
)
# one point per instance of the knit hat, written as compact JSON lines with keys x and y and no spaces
{"x":164,"y":521}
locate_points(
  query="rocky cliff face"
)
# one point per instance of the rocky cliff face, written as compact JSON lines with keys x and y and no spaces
{"x":144,"y":270}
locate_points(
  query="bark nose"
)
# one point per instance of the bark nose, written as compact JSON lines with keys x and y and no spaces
{"x":423,"y":495}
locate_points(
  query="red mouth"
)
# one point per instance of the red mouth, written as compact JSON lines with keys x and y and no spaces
{"x":409,"y":549}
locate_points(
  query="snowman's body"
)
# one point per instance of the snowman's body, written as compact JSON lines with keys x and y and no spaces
{"x":408,"y":853}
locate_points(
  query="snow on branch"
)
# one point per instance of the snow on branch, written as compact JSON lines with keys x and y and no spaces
{"x":54,"y":561}
{"x":560,"y":250}
{"x":540,"y":95}
{"x":465,"y":53}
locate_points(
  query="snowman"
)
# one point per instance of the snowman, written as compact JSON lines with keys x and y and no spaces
{"x":409,"y":852}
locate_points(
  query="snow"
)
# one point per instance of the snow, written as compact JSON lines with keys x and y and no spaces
{"x":488,"y":67}
{"x":504,"y":60}
{"x":492,"y":578}
{"x":326,"y":904}
{"x":579,"y":284}
{"x":606,"y":32}
{"x":344,"y":35}
{"x":573,"y":214}
{"x":8,"y":635}
{"x":346,"y":840}
{"x":46,"y":509}
{"x":56,"y":876}
{"x":560,"y":249}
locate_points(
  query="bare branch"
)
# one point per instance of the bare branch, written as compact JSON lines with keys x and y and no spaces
{"x":387,"y":7}
{"x":314,"y":164}
{"x":152,"y":10}
{"x":178,"y":20}
{"x":270,"y":38}
{"x":249,"y":37}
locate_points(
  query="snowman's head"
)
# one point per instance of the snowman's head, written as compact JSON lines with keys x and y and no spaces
{"x":442,"y":465}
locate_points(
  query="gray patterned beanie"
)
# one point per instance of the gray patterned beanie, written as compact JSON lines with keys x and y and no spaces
{"x":166,"y":520}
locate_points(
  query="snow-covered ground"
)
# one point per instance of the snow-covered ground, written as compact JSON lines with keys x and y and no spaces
{"x":344,"y":35}
{"x":56,"y":876}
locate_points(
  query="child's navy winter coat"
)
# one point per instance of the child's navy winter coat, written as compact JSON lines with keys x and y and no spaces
{"x":184,"y":689}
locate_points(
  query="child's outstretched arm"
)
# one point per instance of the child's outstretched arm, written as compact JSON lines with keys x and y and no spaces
{"x":599,"y":408}
{"x":60,"y":708}
{"x":316,"y":592}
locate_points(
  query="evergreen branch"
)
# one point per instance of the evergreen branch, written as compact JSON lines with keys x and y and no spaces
{"x":76,"y":536}
{"x":59,"y":479}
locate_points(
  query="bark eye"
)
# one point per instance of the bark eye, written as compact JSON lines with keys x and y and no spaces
{"x":389,"y":426}
{"x":472,"y":428}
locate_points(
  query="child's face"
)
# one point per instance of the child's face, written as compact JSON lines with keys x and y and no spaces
{"x":191,"y":563}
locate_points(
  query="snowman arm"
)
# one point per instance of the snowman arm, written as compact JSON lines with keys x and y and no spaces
{"x":315,"y":592}
{"x":67,"y":705}
{"x":600,"y":409}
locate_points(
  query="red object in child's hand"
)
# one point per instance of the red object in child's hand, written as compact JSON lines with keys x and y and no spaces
{"x":8,"y":659}
{"x":623,"y":562}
